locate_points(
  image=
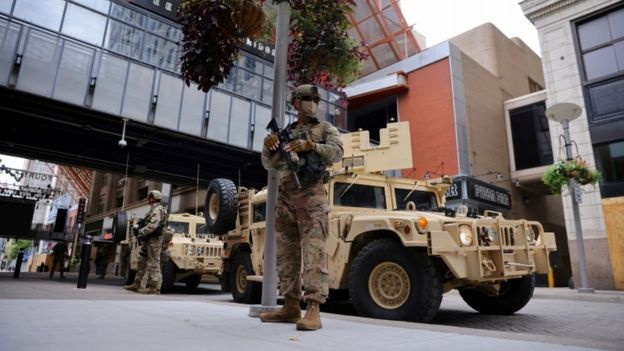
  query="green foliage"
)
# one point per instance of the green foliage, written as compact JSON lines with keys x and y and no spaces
{"x":14,"y":246}
{"x":322,"y":52}
{"x":557,"y":175}
{"x":213,"y":32}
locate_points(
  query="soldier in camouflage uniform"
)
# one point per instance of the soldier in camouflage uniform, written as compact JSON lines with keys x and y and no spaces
{"x":301,"y":213}
{"x":151,"y":236}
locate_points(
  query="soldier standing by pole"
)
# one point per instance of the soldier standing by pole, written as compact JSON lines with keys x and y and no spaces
{"x":301,"y":213}
{"x":151,"y":236}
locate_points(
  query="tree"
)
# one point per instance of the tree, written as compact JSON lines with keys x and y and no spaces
{"x":14,"y":246}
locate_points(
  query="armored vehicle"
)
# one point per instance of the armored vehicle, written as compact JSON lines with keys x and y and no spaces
{"x":187,"y":252}
{"x":393,"y":247}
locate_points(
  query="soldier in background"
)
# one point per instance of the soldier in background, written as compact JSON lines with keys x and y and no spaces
{"x":59,"y":253}
{"x":302,"y":213}
{"x":151,"y":236}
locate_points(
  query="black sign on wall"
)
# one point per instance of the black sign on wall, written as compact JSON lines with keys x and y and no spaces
{"x":166,"y":8}
{"x":81,"y":211}
{"x":454,"y":192}
{"x":16,"y":216}
{"x":488,"y":193}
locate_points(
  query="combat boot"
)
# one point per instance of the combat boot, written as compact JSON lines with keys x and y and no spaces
{"x":149,"y":291}
{"x":132,"y":287}
{"x":289,"y":313}
{"x":312,"y":318}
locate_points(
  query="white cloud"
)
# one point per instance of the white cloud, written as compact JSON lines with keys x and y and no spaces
{"x":439,"y":20}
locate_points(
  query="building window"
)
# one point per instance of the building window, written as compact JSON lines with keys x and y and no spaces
{"x":600,"y":46}
{"x":610,"y":160}
{"x":530,"y":136}
{"x":600,"y":42}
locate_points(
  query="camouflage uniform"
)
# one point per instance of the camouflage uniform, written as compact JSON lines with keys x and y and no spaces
{"x":301,"y":217}
{"x":59,"y":252}
{"x":150,"y":265}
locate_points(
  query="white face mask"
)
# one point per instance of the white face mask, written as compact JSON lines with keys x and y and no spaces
{"x":308,"y":108}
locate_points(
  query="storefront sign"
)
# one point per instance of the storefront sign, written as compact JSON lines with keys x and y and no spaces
{"x":454,"y":192}
{"x":19,"y":174}
{"x":166,"y":8}
{"x":257,"y":48}
{"x":484,"y":192}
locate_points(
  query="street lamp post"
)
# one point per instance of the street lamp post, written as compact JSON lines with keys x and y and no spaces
{"x":564,"y":113}
{"x":269,"y":272}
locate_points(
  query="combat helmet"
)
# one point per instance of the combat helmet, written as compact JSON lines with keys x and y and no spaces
{"x":305,"y":90}
{"x":155,"y":194}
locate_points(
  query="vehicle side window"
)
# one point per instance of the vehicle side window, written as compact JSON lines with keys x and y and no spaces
{"x":424,"y":200}
{"x":259,"y":212}
{"x":358,"y":195}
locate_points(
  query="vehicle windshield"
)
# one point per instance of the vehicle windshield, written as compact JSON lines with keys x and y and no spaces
{"x":179,"y":227}
{"x":359,"y":195}
{"x":424,"y":200}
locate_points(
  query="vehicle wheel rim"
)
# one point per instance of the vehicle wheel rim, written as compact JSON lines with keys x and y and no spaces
{"x":389,"y":285}
{"x":241,"y":279}
{"x":213,"y":209}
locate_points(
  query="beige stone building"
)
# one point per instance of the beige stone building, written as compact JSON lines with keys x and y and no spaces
{"x":582,"y":44}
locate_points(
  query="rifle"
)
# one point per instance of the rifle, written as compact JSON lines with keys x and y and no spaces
{"x":284,"y":136}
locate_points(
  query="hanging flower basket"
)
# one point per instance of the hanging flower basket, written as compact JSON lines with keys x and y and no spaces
{"x":213,"y":32}
{"x":322,"y":52}
{"x":557,"y":175}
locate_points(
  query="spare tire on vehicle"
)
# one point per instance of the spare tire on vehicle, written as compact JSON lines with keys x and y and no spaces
{"x":120,"y":226}
{"x":221,"y":206}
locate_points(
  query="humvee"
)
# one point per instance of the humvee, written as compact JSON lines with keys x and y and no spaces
{"x":187,"y":252}
{"x":393,"y":247}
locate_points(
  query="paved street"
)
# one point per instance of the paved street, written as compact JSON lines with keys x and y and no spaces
{"x":554,"y":319}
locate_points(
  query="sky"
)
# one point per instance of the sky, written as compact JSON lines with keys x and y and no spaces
{"x":10,"y":162}
{"x":439,"y":20}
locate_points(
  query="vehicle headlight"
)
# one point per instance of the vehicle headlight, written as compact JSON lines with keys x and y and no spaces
{"x":201,"y":250}
{"x":190,"y":250}
{"x":465,"y":235}
{"x":530,"y":234}
{"x":492,"y":234}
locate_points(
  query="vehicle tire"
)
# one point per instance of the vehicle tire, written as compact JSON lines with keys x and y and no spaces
{"x":388,"y":281}
{"x":244,"y":291}
{"x":192,"y":281}
{"x":168,"y":271}
{"x":221,"y":206}
{"x":120,"y":226}
{"x":513,"y":295}
{"x":130,"y":275}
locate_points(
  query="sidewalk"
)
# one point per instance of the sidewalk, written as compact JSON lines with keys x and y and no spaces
{"x":52,"y":315}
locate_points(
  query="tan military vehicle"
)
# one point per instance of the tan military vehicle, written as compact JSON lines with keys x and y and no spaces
{"x":188,"y":252}
{"x":392,"y":244}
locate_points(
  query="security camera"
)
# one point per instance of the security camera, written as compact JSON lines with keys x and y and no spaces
{"x":122,"y":143}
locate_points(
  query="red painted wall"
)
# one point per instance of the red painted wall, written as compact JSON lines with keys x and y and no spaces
{"x":428,"y":106}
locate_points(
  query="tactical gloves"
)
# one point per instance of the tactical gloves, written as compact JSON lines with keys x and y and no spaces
{"x":271,"y":142}
{"x":301,"y":145}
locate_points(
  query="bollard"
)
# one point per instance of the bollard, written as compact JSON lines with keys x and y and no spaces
{"x":18,"y":264}
{"x":85,"y":254}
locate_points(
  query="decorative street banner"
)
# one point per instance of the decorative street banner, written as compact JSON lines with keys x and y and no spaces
{"x":166,"y":8}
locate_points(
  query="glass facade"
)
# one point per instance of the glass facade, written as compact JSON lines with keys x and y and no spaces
{"x":129,"y":60}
